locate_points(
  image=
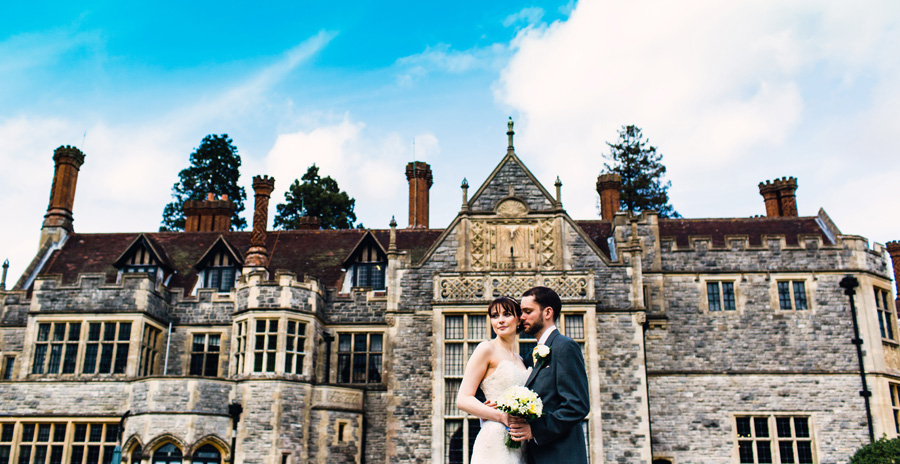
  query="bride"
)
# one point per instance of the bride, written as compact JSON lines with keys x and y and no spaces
{"x":495,"y":366}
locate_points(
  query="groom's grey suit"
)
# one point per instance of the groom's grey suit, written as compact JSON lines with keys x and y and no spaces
{"x":562,"y":385}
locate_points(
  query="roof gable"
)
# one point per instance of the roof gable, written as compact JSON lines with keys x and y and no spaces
{"x":366,"y":250}
{"x":143,"y":250}
{"x":221,"y":245}
{"x":511,"y":179}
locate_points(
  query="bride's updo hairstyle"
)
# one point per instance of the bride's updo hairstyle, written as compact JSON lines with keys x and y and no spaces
{"x":504,"y":304}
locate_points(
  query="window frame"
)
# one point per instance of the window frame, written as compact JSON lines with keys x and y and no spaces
{"x":809,"y":287}
{"x":736,"y":281}
{"x":298,"y":355}
{"x":204,"y":355}
{"x":792,"y":295}
{"x":774,"y":438}
{"x":367,"y":355}
{"x":129,"y":348}
{"x":65,"y":440}
{"x":242,"y":340}
{"x":8,"y":367}
{"x":380,"y":270}
{"x":147,"y":350}
{"x":886,"y":314}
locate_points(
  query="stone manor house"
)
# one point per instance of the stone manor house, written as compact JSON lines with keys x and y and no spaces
{"x":726,"y":340}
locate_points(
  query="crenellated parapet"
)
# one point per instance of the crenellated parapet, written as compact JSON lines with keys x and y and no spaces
{"x":90,"y":293}
{"x":285,"y":291}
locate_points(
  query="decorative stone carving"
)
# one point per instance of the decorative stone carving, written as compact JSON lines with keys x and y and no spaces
{"x":478,"y":242}
{"x":640,"y":318}
{"x":487,"y":286}
{"x":547,"y":242}
{"x":512,"y":208}
{"x":461,"y":288}
{"x":337,"y":398}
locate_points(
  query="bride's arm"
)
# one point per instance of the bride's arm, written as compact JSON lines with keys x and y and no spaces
{"x":476,"y":369}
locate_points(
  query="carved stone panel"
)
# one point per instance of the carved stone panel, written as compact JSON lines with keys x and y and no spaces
{"x":514,"y":244}
{"x":462,"y":287}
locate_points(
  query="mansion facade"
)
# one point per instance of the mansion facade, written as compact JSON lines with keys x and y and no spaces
{"x":724,"y":340}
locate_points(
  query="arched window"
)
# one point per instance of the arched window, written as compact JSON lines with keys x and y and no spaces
{"x":136,"y":454}
{"x":207,"y":454}
{"x":167,"y":454}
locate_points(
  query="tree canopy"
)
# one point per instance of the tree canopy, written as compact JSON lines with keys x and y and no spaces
{"x":642,"y":171}
{"x":883,"y":451}
{"x":316,"y":196}
{"x":215,"y":168}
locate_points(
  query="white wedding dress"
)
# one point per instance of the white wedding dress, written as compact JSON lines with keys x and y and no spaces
{"x":490,"y":445}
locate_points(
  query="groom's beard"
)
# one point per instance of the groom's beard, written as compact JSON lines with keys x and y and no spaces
{"x":535,"y":327}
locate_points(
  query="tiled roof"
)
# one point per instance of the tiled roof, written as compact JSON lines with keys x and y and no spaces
{"x":681,"y":229}
{"x":598,"y":231}
{"x":317,"y":253}
{"x":754,"y":228}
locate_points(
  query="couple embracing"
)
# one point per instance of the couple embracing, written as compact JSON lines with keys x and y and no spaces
{"x":555,"y":372}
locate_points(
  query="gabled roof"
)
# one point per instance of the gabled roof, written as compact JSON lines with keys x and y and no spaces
{"x":511,"y":171}
{"x":317,"y":253}
{"x":221,"y":244}
{"x":147,"y":242}
{"x":366,"y":239}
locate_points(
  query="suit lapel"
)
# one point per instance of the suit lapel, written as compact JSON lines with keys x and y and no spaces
{"x":542,"y":361}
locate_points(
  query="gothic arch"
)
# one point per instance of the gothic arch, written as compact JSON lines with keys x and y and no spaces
{"x":161,"y":440}
{"x":129,"y":445}
{"x":216,"y":442}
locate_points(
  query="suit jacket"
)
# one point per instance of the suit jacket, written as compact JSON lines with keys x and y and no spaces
{"x":562,"y":385}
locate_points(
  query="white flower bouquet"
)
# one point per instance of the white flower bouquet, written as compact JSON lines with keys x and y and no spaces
{"x":521,"y":402}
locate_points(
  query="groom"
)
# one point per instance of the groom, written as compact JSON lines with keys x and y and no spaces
{"x":560,"y":380}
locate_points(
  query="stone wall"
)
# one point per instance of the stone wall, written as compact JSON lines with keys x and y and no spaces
{"x":360,"y":306}
{"x":513,"y":174}
{"x":755,"y":337}
{"x":91,"y":294}
{"x":623,"y":393}
{"x":693,"y":415}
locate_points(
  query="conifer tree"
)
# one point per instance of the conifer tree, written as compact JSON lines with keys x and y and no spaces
{"x":315,"y":196}
{"x":215,"y":168}
{"x":642,"y":171}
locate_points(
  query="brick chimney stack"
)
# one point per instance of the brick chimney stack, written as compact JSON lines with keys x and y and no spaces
{"x":58,"y":220}
{"x":609,"y":186}
{"x":258,"y":255}
{"x":309,"y":223}
{"x":780,"y":197}
{"x":210,"y":215}
{"x":418,"y":173}
{"x":893,"y":249}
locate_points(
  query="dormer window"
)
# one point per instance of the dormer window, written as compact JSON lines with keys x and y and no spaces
{"x":219,"y":267}
{"x":220,"y":273}
{"x":369,"y":275}
{"x":143,"y":256}
{"x":367,"y":264}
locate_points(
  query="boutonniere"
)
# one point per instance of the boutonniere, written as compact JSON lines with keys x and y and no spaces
{"x":540,"y":352}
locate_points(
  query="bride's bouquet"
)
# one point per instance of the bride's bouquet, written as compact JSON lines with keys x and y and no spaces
{"x":521,"y":402}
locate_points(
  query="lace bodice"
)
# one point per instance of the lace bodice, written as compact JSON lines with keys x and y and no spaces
{"x":506,"y":375}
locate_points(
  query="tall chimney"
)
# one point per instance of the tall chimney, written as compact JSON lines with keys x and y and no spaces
{"x":58,"y":220}
{"x":894,"y":249}
{"x":418,"y":173}
{"x":609,"y":186}
{"x":780,"y":197}
{"x":258,"y":255}
{"x":210,"y":215}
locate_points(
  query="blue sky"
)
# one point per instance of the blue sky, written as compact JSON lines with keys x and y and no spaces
{"x":731,"y":93}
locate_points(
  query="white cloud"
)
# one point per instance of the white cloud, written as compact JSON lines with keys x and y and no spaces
{"x":732,"y":93}
{"x":367,"y":165}
{"x":129,"y":168}
{"x":442,"y":58}
{"x":526,"y":17}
